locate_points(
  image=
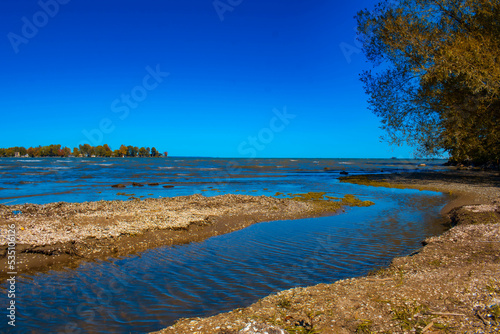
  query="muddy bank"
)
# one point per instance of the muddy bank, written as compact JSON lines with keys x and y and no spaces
{"x":58,"y":235}
{"x":452,"y":285}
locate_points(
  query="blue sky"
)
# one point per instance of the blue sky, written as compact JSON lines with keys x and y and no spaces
{"x":225,"y":78}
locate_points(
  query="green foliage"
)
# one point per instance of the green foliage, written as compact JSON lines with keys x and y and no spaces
{"x":494,"y":313}
{"x":84,"y":150}
{"x":410,"y":316}
{"x":365,"y":326}
{"x":155,"y":153}
{"x":437,"y":86}
{"x":284,"y":303}
{"x":123,"y":150}
{"x":40,"y":151}
{"x":143,"y":152}
{"x":11,"y":151}
{"x":348,"y":200}
{"x":132,"y":151}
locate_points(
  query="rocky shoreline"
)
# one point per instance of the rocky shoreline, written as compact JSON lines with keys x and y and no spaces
{"x":452,"y":285}
{"x":58,"y":235}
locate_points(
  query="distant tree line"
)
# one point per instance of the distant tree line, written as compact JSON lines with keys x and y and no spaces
{"x":84,"y":150}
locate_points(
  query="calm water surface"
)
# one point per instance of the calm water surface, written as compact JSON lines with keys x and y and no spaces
{"x":151,"y":290}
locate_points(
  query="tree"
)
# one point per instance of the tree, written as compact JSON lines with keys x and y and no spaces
{"x":22,"y":151}
{"x":86,"y":150}
{"x":107,"y":151}
{"x":437,"y":83}
{"x":99,"y":151}
{"x":66,"y":151}
{"x":53,"y":150}
{"x":132,"y":151}
{"x":38,"y":151}
{"x":123,"y":150}
{"x":32,"y":152}
{"x":142,"y":152}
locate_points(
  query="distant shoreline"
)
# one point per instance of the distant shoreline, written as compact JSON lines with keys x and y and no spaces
{"x":82,"y":151}
{"x":73,"y":157}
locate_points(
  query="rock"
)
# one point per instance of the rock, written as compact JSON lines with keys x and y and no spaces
{"x":168,"y":186}
{"x":344,"y":173}
{"x":118,"y":186}
{"x":153,"y":184}
{"x":255,"y":328}
{"x":135,"y":184}
{"x":481,"y":208}
{"x":422,"y":165}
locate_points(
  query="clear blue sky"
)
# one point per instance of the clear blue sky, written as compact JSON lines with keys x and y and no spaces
{"x":75,"y":67}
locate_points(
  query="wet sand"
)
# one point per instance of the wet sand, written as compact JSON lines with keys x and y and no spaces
{"x":452,"y":285}
{"x":58,"y":235}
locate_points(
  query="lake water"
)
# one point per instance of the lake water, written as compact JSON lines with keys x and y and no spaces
{"x":44,"y":180}
{"x":149,"y":291}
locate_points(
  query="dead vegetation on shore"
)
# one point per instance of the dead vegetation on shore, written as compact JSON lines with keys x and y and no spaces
{"x":73,"y":222}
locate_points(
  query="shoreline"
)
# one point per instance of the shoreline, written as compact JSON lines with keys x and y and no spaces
{"x":464,"y":187}
{"x":61,"y":235}
{"x":452,"y":284}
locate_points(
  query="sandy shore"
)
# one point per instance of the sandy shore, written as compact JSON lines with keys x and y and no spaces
{"x":62,"y":234}
{"x":452,"y":285}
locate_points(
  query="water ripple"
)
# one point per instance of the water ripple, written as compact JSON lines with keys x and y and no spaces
{"x":151,"y":290}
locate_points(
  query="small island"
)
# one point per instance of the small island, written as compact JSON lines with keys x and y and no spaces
{"x":83,"y":150}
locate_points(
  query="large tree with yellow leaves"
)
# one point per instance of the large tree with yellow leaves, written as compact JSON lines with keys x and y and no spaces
{"x":436,"y":77}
